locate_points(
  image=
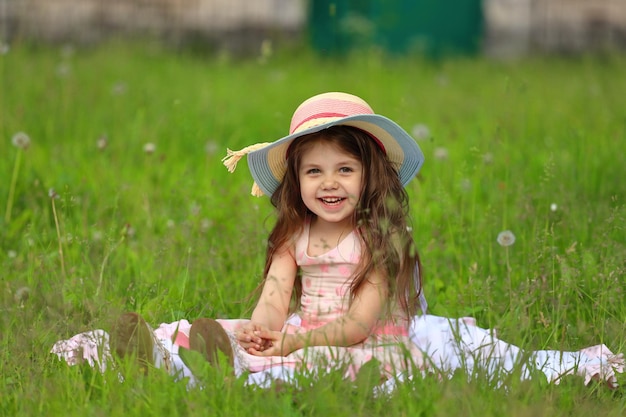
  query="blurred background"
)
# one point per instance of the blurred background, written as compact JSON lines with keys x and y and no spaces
{"x":497,"y":28}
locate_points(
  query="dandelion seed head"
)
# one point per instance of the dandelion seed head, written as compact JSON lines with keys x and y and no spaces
{"x":64,"y":70}
{"x":149,"y":148}
{"x":21,"y":295}
{"x":554,"y":207}
{"x":52,"y":194}
{"x":441,"y":154}
{"x":420,"y":131}
{"x":128,"y":230}
{"x":466,"y":184}
{"x":67,"y":51}
{"x":506,"y":238}
{"x":211,"y":147}
{"x":118,"y":89}
{"x":170,"y":223}
{"x":11,"y":254}
{"x":206,"y":224}
{"x":487,"y":158}
{"x":21,"y":140}
{"x":194,"y":208}
{"x":267,"y":50}
{"x":4,"y":48}
{"x":102,"y":142}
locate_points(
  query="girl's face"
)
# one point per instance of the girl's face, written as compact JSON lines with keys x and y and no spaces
{"x":330,"y":183}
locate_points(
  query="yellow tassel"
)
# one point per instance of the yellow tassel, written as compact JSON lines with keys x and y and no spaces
{"x":232,"y":157}
{"x":256,"y":190}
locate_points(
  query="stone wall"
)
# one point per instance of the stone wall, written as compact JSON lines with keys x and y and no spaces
{"x":516,"y":27}
{"x":512,"y":27}
{"x":92,"y":20}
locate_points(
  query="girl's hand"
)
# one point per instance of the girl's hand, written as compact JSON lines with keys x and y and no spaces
{"x":248,"y":336}
{"x":277,"y":343}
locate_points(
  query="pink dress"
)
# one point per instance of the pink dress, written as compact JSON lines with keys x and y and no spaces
{"x":433,"y":344}
{"x":326,"y":281}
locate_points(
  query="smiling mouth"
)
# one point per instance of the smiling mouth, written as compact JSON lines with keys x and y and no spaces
{"x":331,"y":201}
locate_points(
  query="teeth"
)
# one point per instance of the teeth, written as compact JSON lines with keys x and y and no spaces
{"x":332,"y":200}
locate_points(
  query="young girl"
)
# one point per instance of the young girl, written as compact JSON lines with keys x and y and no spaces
{"x":342,"y":279}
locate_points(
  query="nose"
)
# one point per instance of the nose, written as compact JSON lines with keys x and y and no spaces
{"x":329,"y":183}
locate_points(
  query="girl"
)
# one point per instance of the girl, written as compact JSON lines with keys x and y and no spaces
{"x":342,"y":278}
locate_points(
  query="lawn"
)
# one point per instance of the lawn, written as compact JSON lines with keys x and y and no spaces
{"x":121,"y":203}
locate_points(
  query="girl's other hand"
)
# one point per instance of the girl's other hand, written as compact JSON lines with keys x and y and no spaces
{"x":276,"y":343}
{"x":248,"y":336}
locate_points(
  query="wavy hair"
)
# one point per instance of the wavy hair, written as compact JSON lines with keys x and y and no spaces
{"x":380,"y":216}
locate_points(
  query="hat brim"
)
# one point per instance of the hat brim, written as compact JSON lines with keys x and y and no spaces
{"x":268,"y":165}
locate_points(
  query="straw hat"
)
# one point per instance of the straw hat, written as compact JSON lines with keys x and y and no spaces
{"x":268,"y":161}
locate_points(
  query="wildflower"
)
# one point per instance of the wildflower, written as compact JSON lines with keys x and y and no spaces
{"x":506,"y":238}
{"x":21,"y":140}
{"x":102,"y":142}
{"x":488,"y":158}
{"x":149,"y":148}
{"x":52,"y":194}
{"x":553,"y":207}
{"x":441,"y":154}
{"x":420,"y":131}
{"x":12,"y":254}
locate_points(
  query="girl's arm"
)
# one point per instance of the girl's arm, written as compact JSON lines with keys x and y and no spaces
{"x":353,"y":327}
{"x":272,"y":308}
{"x":273,"y":305}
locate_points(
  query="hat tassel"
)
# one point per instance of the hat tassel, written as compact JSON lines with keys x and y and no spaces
{"x":256,"y":190}
{"x":232,"y":157}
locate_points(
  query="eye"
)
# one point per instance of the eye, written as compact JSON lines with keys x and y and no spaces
{"x":345,"y":170}
{"x":313,"y":171}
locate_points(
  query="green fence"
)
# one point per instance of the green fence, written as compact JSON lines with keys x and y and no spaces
{"x":432,"y":27}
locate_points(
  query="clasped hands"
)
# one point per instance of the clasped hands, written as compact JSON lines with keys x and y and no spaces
{"x":257,"y":339}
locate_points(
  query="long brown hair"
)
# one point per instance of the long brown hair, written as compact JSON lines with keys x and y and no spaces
{"x":380,"y":218}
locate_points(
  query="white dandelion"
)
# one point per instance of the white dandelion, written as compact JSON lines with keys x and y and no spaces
{"x":506,"y":238}
{"x":554,"y":207}
{"x":102,"y":142}
{"x":21,"y":140}
{"x":441,"y":154}
{"x":420,"y":131}
{"x":149,"y":148}
{"x":211,"y":147}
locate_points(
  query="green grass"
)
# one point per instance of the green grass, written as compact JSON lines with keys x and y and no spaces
{"x":173,"y":235}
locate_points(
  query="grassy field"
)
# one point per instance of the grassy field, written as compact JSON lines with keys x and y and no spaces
{"x":143,"y":216}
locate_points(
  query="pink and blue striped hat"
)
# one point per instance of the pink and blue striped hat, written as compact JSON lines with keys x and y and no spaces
{"x":268,"y":161}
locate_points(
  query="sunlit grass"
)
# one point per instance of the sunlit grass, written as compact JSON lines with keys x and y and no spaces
{"x":534,"y":147}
